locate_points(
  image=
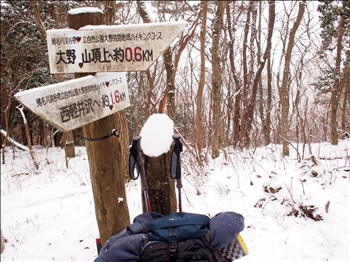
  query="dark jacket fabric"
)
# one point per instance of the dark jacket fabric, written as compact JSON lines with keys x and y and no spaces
{"x":127,"y":245}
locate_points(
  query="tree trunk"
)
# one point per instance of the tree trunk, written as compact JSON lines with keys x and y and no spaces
{"x":337,"y":87}
{"x":249,"y":110}
{"x":170,"y":83}
{"x":199,"y":125}
{"x":109,"y":12}
{"x":105,"y":160}
{"x":217,"y":80}
{"x":4,"y":110}
{"x":67,"y":142}
{"x":243,"y":128}
{"x":264,"y":105}
{"x":346,"y":85}
{"x":286,"y":82}
{"x":238,"y":85}
{"x":267,"y":126}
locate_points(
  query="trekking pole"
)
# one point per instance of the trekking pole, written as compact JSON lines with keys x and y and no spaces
{"x":175,"y":166}
{"x":136,"y":160}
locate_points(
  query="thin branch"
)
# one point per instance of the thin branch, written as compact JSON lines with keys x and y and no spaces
{"x":13,"y":142}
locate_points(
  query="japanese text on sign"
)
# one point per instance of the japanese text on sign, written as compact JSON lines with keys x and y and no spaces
{"x":76,"y":102}
{"x":112,"y":38}
{"x":109,"y":48}
{"x":97,"y":55}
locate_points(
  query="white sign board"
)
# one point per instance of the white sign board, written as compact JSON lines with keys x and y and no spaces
{"x":74,"y":103}
{"x":109,"y":48}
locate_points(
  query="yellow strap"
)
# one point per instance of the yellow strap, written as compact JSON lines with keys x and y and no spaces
{"x":242,"y":244}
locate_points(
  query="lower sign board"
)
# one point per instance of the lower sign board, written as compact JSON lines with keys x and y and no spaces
{"x":74,"y":103}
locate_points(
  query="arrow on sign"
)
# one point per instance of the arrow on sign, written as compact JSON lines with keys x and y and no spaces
{"x":74,"y":103}
{"x":109,"y":48}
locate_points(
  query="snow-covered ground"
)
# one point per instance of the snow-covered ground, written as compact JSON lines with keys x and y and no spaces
{"x":48,"y":214}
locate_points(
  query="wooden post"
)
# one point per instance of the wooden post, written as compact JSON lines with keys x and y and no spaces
{"x":104,"y":156}
{"x":161,"y":187}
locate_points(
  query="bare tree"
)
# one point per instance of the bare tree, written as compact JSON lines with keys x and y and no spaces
{"x":217,"y":80}
{"x":286,"y":81}
{"x":249,"y":110}
{"x":345,"y":122}
{"x":231,"y":27}
{"x":201,"y":84}
{"x":337,"y":86}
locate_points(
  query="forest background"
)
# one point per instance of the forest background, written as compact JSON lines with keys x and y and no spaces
{"x":280,"y":74}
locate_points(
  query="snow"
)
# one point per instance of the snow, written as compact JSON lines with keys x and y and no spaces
{"x":155,"y":26}
{"x":48,"y":213}
{"x":43,"y":89}
{"x":157,"y":135}
{"x":82,"y":10}
{"x":159,"y":25}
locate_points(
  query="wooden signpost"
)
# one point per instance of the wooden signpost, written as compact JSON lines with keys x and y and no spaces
{"x":109,"y":48}
{"x":74,"y":103}
{"x":89,"y":101}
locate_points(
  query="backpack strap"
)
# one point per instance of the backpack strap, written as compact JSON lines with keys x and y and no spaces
{"x":136,"y":227}
{"x":216,"y":253}
{"x":140,"y":222}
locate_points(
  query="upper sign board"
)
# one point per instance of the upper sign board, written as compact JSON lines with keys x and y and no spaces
{"x":74,"y":103}
{"x":109,"y":48}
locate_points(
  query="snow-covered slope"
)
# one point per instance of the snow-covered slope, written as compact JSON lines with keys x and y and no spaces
{"x":48,"y":214}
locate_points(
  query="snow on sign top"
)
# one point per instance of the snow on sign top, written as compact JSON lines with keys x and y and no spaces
{"x":157,"y":135}
{"x":83,"y":10}
{"x":109,"y":48}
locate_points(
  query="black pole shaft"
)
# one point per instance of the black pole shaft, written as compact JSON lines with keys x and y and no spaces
{"x":179,"y":186}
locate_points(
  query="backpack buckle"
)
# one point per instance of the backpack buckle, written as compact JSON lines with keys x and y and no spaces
{"x":172,"y":248}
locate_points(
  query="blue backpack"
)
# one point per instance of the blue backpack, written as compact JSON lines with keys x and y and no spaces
{"x":179,"y":237}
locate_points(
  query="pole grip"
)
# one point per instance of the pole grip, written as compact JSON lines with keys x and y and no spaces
{"x":141,"y":163}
